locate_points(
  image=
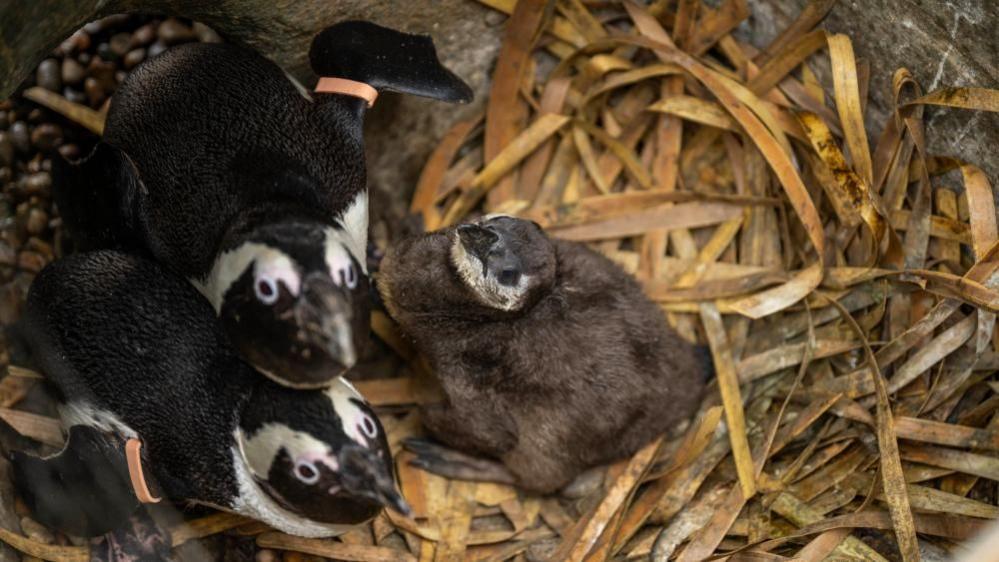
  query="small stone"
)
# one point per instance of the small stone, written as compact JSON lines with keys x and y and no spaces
{"x":172,"y":32}
{"x":72,"y":71}
{"x":49,"y":76}
{"x":36,"y":115}
{"x":36,"y":244}
{"x":5,"y":174}
{"x":74,"y":95}
{"x":103,"y":72}
{"x":79,"y":41}
{"x":84,"y":58}
{"x":94,"y":91}
{"x":7,"y":254}
{"x":46,"y":137}
{"x":39,"y":183}
{"x":4,"y":122}
{"x":104,"y":52}
{"x":144,"y":35}
{"x":134,"y":57}
{"x":38,"y":221}
{"x":6,"y":149}
{"x":120,"y":76}
{"x":36,"y":531}
{"x":155,"y":49}
{"x":31,"y":261}
{"x":266,"y":555}
{"x":20,"y":136}
{"x":205,"y":34}
{"x":120,"y":43}
{"x":70,"y":151}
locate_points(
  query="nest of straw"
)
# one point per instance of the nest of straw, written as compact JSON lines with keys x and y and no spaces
{"x":848,"y":296}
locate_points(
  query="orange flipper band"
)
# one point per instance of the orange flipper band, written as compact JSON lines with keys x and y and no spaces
{"x":346,"y":87}
{"x":132,"y":454}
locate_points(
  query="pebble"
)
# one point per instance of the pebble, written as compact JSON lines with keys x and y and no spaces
{"x":46,"y":137}
{"x":205,"y":34}
{"x":6,"y":149}
{"x":75,"y":96}
{"x":94,"y":91}
{"x":39,"y":183}
{"x":49,"y":76}
{"x":134,"y":57}
{"x":69,"y":151}
{"x":120,"y":43}
{"x":104,"y":52}
{"x":79,"y":41}
{"x":31,"y":261}
{"x":172,"y":32}
{"x":103,"y":72}
{"x":36,"y":531}
{"x":7,"y":254}
{"x":266,"y":555}
{"x":20,"y":136}
{"x":4,"y":122}
{"x":36,"y":115}
{"x":40,"y":246}
{"x":38,"y":221}
{"x":155,"y":49}
{"x":144,"y":35}
{"x":72,"y":71}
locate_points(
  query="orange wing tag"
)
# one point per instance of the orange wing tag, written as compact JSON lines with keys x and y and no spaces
{"x":132,"y":454}
{"x":346,"y":87}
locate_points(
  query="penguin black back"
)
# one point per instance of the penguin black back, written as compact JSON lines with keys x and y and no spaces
{"x":235,"y":177}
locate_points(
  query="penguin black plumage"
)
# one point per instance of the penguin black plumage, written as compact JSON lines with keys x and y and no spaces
{"x":551,"y":358}
{"x":218,"y":165}
{"x":132,"y":351}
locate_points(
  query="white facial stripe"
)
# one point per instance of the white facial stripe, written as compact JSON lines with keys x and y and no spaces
{"x":488,"y":289}
{"x":352,"y":241}
{"x":262,"y":448}
{"x":230,"y":265}
{"x":279,"y":267}
{"x":253,"y":502}
{"x":340,"y":393}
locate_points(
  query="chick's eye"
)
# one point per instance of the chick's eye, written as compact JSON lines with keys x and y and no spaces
{"x":306,"y":472}
{"x":368,"y":426}
{"x":266,"y":289}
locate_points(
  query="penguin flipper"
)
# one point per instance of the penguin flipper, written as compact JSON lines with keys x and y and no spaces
{"x":84,"y":490}
{"x":94,"y":196}
{"x":387,"y":60}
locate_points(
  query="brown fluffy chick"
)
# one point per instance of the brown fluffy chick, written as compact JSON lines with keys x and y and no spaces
{"x":551,"y":358}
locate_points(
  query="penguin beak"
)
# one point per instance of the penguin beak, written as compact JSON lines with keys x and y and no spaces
{"x":365,"y":474}
{"x":477,"y":240}
{"x":325,"y":314}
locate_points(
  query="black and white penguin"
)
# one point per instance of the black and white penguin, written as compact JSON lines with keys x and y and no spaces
{"x":135,"y":355}
{"x":220,"y":166}
{"x":550,"y":357}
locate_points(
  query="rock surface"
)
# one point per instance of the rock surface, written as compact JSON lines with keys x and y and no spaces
{"x":942,"y":42}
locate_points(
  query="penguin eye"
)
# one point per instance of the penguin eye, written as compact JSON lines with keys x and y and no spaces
{"x":306,"y":472}
{"x":368,"y":426}
{"x":348,"y":276}
{"x":266,"y":289}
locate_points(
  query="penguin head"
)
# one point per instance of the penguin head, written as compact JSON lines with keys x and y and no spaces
{"x":502,"y":260}
{"x":491,"y":267}
{"x":293,"y":297}
{"x":321,"y":454}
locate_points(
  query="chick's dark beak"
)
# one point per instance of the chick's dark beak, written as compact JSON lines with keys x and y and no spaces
{"x":365,"y":474}
{"x":477,"y":240}
{"x":325,"y":314}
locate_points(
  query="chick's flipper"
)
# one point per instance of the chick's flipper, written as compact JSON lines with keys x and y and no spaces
{"x":455,"y":465}
{"x":84,"y":490}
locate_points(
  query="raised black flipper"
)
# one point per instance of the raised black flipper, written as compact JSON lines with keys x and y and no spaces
{"x":95,"y":197}
{"x":387,"y":60}
{"x":84,"y":490}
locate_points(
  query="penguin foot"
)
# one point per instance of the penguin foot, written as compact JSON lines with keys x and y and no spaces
{"x":446,"y":462}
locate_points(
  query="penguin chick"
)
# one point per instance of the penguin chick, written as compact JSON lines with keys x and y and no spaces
{"x":550,"y":357}
{"x":215,"y":163}
{"x":133,"y":352}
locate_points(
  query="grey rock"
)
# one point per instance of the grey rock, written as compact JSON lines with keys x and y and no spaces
{"x":49,"y":76}
{"x":46,"y":137}
{"x":942,"y":42}
{"x":20,"y":136}
{"x":72,"y":71}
